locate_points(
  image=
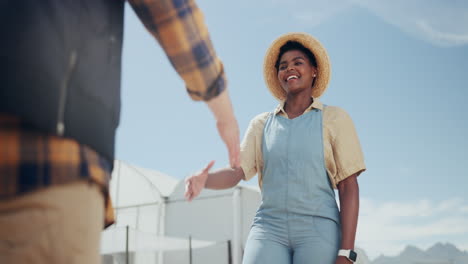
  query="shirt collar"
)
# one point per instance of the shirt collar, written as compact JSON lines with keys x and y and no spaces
{"x":315,"y":104}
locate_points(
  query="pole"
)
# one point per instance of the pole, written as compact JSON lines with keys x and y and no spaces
{"x":161,"y":226}
{"x":237,"y":227}
{"x":126,"y":247}
{"x":190,"y":249}
{"x":229,"y":252}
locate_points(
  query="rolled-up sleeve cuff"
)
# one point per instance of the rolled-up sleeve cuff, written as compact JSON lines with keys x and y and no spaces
{"x":358,"y":169}
{"x":216,"y":87}
{"x":248,"y":173}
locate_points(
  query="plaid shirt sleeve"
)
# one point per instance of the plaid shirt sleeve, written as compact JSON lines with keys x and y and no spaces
{"x":179,"y":27}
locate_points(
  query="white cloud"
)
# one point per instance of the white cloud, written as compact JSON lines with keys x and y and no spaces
{"x":463,"y":247}
{"x":386,"y":228}
{"x":442,"y":23}
{"x":442,"y":38}
{"x":464,"y":209}
{"x":456,"y":205}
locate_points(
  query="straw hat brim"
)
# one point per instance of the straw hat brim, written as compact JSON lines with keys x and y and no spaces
{"x":309,"y":42}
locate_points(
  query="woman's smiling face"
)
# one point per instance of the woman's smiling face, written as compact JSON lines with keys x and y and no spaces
{"x":295,"y":72}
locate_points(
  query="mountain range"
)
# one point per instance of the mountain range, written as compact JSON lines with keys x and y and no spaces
{"x":439,"y":253}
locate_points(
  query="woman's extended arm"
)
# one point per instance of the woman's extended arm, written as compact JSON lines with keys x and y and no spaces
{"x":220,"y":179}
{"x":348,"y":190}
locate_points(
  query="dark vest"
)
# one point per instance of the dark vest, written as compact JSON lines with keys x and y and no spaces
{"x":60,"y":63}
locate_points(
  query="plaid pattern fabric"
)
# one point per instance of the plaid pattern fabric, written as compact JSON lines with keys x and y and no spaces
{"x":31,"y":160}
{"x":179,"y":27}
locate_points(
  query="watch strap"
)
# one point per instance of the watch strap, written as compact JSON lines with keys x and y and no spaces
{"x":348,"y":253}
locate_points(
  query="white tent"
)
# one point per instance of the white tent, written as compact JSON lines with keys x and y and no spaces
{"x":154,"y":222}
{"x":142,"y":241}
{"x":215,"y":215}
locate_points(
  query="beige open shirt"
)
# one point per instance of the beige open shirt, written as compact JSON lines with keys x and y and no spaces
{"x":342,"y":150}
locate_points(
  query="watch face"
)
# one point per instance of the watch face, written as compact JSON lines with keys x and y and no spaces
{"x":352,"y":256}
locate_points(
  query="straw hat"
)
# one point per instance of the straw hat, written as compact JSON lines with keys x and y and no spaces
{"x":309,"y":42}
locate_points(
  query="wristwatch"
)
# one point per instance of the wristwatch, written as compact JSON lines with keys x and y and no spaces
{"x":348,"y":253}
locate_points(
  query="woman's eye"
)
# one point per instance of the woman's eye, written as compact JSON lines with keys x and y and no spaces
{"x":298,"y":63}
{"x":282,"y":68}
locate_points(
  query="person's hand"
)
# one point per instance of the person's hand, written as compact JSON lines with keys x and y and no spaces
{"x":195,"y":183}
{"x":343,"y":260}
{"x":227,"y":126}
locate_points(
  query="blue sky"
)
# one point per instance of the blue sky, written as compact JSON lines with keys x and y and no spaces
{"x":400,"y":69}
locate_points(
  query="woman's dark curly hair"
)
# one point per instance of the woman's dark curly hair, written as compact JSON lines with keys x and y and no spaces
{"x":294,"y":45}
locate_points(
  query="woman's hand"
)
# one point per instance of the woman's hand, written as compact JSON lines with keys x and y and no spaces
{"x":195,"y":183}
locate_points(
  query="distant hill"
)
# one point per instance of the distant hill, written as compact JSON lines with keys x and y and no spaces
{"x":440,"y":253}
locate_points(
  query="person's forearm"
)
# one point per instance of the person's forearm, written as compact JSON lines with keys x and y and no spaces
{"x":221,"y":107}
{"x":224,"y":178}
{"x":181,"y":38}
{"x":349,"y":210}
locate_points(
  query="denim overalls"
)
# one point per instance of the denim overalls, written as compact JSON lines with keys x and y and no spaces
{"x":298,"y":219}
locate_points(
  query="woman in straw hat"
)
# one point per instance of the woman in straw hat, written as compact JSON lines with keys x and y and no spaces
{"x":300,"y":151}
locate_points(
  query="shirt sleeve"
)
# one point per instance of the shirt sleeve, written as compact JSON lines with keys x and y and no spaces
{"x":179,"y":28}
{"x":251,"y":156}
{"x":346,"y":149}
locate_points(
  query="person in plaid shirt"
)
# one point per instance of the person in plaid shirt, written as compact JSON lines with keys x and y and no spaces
{"x":60,"y":66}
